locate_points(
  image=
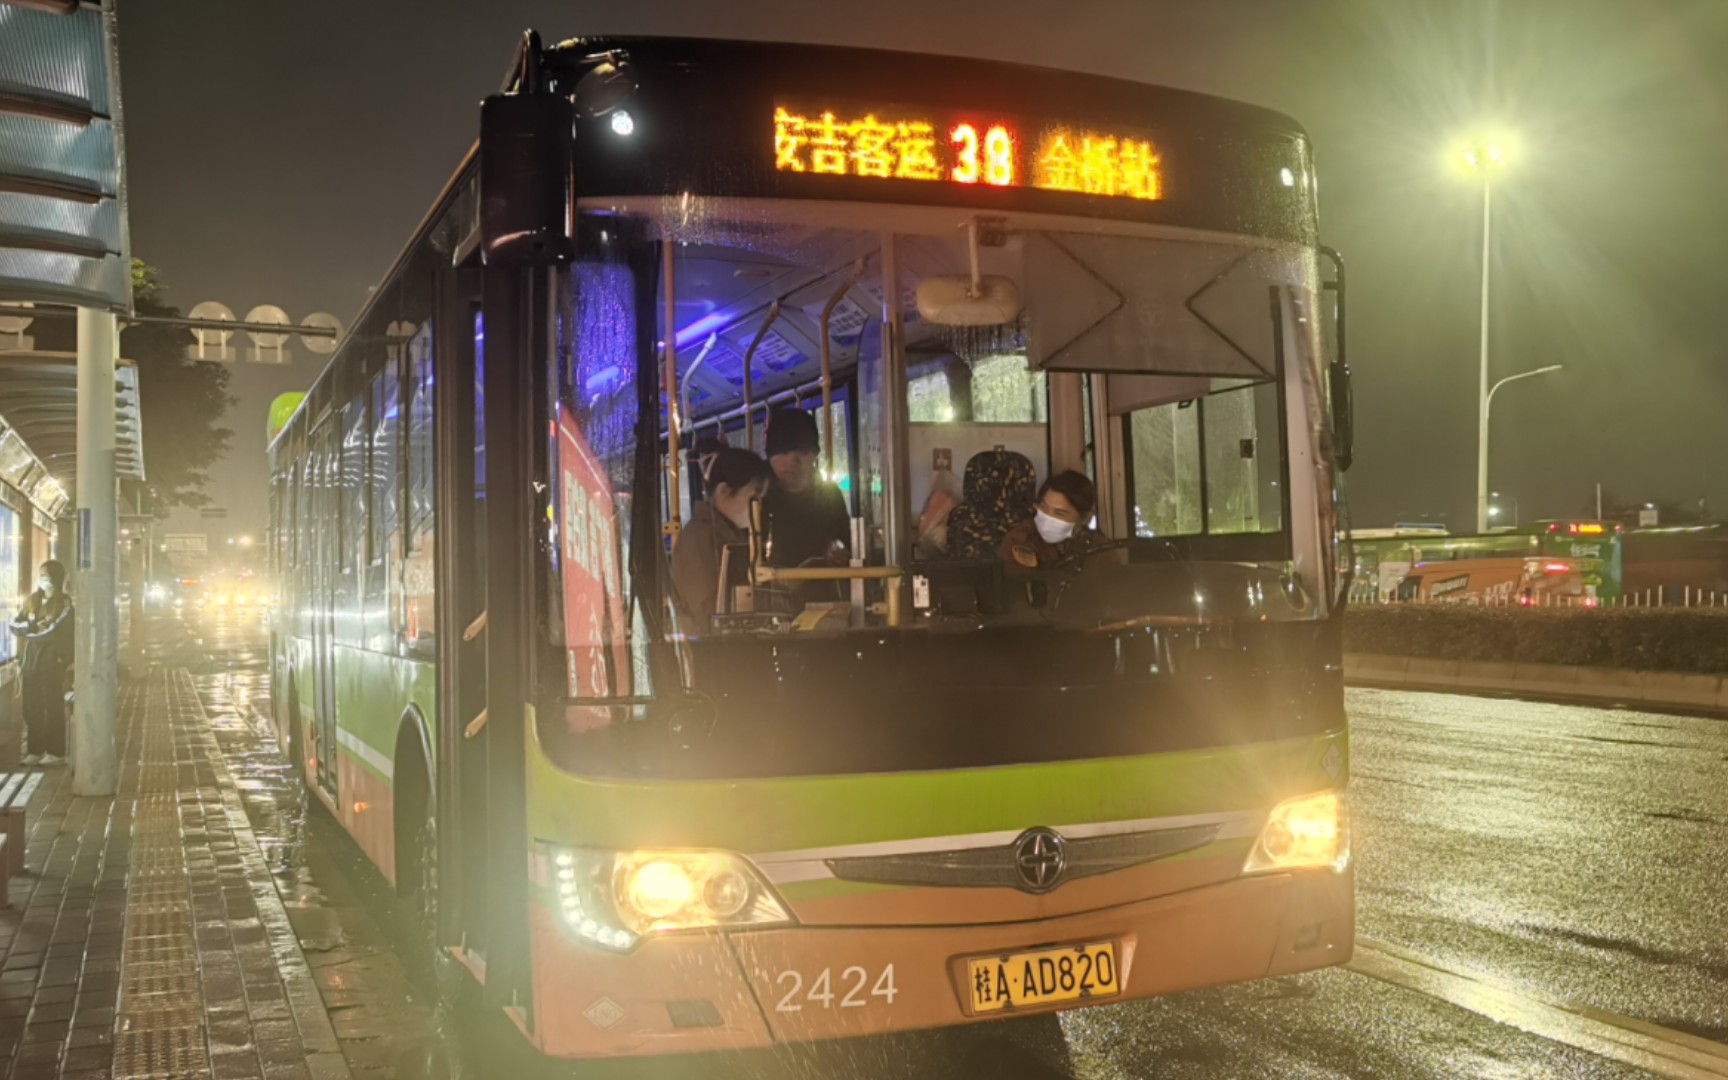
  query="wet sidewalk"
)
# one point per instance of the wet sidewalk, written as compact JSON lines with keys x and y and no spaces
{"x":146,"y":937}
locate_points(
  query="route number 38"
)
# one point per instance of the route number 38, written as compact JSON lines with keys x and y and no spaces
{"x":845,"y":991}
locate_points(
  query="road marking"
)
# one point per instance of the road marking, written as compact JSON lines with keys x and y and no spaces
{"x":1657,"y":1049}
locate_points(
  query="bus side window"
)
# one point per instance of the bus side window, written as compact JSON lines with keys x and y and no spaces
{"x":417,"y":519}
{"x":352,"y":480}
{"x":384,"y":575}
{"x":845,"y":462}
{"x":352,"y":554}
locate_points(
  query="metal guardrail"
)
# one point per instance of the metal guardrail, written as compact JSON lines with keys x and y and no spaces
{"x":1682,"y":596}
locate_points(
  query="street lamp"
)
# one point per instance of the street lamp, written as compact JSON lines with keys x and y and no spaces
{"x":1482,"y":437}
{"x":1482,"y":159}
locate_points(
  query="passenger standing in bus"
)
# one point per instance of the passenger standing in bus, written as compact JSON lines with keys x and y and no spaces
{"x":733,"y":479}
{"x":1059,"y":528}
{"x":806,"y":519}
{"x":46,"y":625}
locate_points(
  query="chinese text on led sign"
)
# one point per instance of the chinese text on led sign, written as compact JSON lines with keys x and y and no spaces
{"x":1057,"y":159}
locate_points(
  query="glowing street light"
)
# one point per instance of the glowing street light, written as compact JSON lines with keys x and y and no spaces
{"x":1483,"y":155}
{"x":1483,"y":159}
{"x":1498,"y":507}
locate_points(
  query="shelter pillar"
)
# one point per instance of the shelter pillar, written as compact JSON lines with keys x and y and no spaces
{"x":95,"y":670}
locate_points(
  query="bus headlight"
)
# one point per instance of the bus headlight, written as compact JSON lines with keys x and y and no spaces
{"x":659,"y":889}
{"x":614,"y":899}
{"x":1307,"y":833}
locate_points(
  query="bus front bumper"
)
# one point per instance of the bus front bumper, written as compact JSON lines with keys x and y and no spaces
{"x":707,"y":992}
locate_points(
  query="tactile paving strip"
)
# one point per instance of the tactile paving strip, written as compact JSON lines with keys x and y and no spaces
{"x":160,"y":1034}
{"x":152,"y":1050}
{"x":145,"y":980}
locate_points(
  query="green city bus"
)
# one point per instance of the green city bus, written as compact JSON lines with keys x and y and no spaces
{"x":1384,"y":556}
{"x":952,"y":790}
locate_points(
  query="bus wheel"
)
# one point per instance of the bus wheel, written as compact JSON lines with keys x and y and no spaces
{"x":417,"y":890}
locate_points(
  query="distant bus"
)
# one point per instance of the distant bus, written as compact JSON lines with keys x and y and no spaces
{"x":1531,"y":582}
{"x":1383,"y":557}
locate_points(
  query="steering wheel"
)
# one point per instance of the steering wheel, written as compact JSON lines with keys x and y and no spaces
{"x":1071,"y":561}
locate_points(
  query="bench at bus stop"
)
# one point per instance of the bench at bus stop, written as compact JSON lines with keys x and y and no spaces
{"x":16,"y":791}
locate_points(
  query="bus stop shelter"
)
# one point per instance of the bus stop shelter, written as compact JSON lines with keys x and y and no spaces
{"x":39,"y":401}
{"x":63,"y":240}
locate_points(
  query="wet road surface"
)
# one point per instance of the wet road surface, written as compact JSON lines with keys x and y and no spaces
{"x":1576,"y":850}
{"x":1520,"y":866}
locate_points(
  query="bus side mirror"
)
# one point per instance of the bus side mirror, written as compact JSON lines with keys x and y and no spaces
{"x":1343,"y":415}
{"x":525,"y":170}
{"x":1338,"y":371}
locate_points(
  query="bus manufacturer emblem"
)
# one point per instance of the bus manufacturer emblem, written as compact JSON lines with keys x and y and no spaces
{"x":604,"y":1013}
{"x":1039,"y":857}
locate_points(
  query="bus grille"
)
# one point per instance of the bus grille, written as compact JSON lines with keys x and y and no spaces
{"x":1000,"y":866}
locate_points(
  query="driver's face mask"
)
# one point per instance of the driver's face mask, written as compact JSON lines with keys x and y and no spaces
{"x":1053,"y":529}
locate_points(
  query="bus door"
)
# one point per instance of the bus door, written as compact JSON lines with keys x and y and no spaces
{"x":327,"y":498}
{"x":459,"y":341}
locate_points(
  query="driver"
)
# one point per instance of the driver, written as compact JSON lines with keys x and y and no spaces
{"x":1059,"y":528}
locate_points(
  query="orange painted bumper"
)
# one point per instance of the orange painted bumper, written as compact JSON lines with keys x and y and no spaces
{"x":696,"y":993}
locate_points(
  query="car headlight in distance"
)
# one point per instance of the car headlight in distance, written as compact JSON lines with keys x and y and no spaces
{"x":615,"y":898}
{"x":1310,"y":832}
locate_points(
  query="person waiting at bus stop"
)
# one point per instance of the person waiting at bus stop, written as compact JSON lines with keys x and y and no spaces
{"x":45,"y":624}
{"x":733,"y":478}
{"x":1059,"y":528}
{"x":806,"y":519}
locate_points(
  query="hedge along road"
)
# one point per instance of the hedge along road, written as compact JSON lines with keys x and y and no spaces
{"x":1690,"y":641}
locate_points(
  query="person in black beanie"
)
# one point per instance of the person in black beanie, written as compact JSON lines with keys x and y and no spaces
{"x":806,"y":519}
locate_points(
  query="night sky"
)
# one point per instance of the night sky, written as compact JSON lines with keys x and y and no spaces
{"x":283,"y":153}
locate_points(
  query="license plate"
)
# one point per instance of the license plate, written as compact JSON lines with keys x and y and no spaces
{"x":1042,"y":977}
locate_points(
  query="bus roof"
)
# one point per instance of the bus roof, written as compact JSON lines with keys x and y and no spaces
{"x":1227,"y":166}
{"x":709,"y":117}
{"x":960,"y":77}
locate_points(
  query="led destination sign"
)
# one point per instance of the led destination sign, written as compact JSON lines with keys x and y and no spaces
{"x":888,"y":144}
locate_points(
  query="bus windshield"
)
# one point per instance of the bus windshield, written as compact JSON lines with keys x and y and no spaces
{"x":1157,"y":363}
